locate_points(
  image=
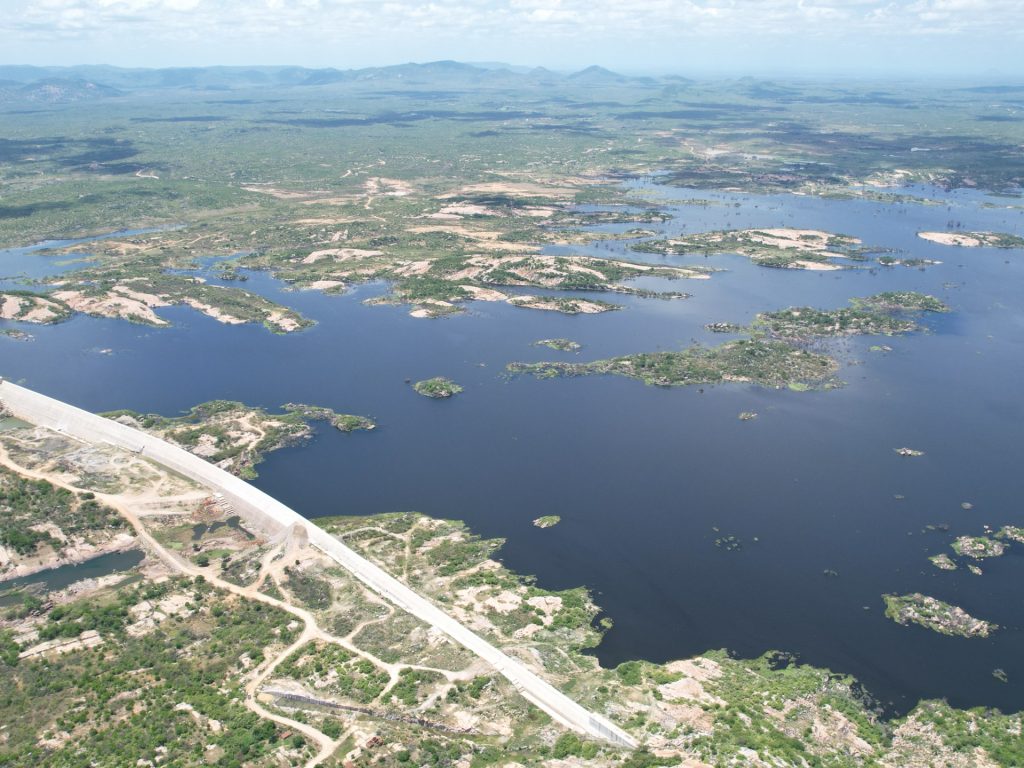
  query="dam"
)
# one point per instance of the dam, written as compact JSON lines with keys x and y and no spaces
{"x":269,"y":514}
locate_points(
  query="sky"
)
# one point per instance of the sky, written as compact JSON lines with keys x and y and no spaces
{"x":752,"y":37}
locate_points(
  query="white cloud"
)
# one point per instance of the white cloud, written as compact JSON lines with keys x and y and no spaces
{"x":540,"y":29}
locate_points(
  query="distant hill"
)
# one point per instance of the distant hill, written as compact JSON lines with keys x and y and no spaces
{"x":435,"y":72}
{"x":56,"y":90}
{"x":595,"y":75}
{"x":67,"y":84}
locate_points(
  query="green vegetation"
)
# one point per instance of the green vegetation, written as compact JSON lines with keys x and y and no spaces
{"x":577,"y":219}
{"x":881,"y":314}
{"x":342,"y":421}
{"x":236,"y":436}
{"x":469,"y":190}
{"x":9,"y":648}
{"x":565,"y":305}
{"x":149,"y":697}
{"x":771,"y":703}
{"x":547,"y":521}
{"x":411,"y":682}
{"x":561,"y":345}
{"x":570,"y":745}
{"x":966,"y":731}
{"x":27,"y":504}
{"x":978,"y":547}
{"x":763,"y":362}
{"x":975,"y":239}
{"x":437,"y":387}
{"x":311,"y":590}
{"x":789,"y":248}
{"x":1002,"y":240}
{"x":331,"y":667}
{"x":725,"y":328}
{"x":943,"y":562}
{"x":936,"y":615}
{"x":482,"y":169}
{"x":132,"y":293}
{"x":1011,"y":532}
{"x":447,"y":562}
{"x":897,"y":301}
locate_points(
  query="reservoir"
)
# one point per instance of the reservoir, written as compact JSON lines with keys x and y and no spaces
{"x":646,"y":479}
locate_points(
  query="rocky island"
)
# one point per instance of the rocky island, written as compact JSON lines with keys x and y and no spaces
{"x":934,"y":614}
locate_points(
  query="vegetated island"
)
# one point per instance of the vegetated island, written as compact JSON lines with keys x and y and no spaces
{"x":561,"y":345}
{"x":547,"y":521}
{"x":16,"y":334}
{"x":133,"y":298}
{"x":759,"y":361}
{"x":932,"y":613}
{"x":978,"y":547}
{"x":883,"y":314}
{"x":943,"y":562}
{"x":1011,"y":532}
{"x":567,"y":305}
{"x":438,"y":387}
{"x":236,"y":437}
{"x":774,"y":357}
{"x":439,"y":286}
{"x":214,"y":616}
{"x":781,"y":247}
{"x":612,"y":216}
{"x":974,"y":239}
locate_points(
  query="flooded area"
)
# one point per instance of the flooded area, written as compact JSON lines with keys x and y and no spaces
{"x":827,"y":516}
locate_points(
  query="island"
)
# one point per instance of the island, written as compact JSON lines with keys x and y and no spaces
{"x":1011,"y":532}
{"x":932,"y":613}
{"x":29,"y":307}
{"x":777,"y":355}
{"x":438,"y":387}
{"x":779,"y":247}
{"x":978,"y":547}
{"x":974,"y":239}
{"x":943,"y":562}
{"x":882,"y":314}
{"x":763,"y":362}
{"x":560,"y":345}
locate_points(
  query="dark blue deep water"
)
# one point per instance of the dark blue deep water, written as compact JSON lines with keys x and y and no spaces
{"x":642,"y":476}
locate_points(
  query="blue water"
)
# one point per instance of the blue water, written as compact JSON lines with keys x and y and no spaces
{"x":642,"y":476}
{"x":63,"y":576}
{"x":33,"y":262}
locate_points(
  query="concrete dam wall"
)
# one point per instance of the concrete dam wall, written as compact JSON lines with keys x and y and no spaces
{"x":268,"y":513}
